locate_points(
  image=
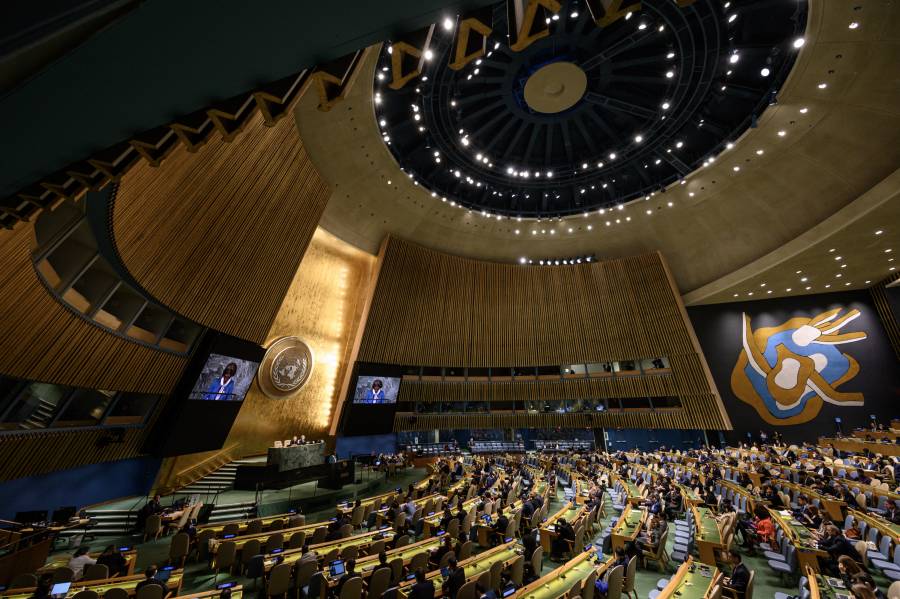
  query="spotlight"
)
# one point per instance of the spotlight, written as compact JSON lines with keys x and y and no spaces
{"x":764,"y":71}
{"x":798,"y":43}
{"x":448,"y":24}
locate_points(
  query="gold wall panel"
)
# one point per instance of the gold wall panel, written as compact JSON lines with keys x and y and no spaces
{"x":217,"y":235}
{"x":41,"y":339}
{"x":323,"y":307}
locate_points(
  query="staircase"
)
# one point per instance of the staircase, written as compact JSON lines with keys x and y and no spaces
{"x":232,"y":511}
{"x":220,"y":479}
{"x":111,"y":522}
{"x":41,"y":416}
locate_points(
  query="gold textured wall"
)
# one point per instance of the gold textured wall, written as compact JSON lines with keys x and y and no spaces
{"x":322,"y":306}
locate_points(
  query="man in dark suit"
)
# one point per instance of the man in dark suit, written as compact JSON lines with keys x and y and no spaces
{"x":500,"y":527}
{"x":456,"y":579}
{"x":423,"y":589}
{"x":740,"y":576}
{"x":150,"y":578}
{"x":350,"y":573}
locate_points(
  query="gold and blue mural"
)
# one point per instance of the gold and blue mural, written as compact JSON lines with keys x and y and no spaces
{"x":787,"y":372}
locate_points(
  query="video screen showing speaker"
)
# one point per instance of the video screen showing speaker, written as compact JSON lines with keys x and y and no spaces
{"x":224,"y":378}
{"x":376,"y":389}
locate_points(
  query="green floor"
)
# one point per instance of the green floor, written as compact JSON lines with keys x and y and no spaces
{"x":198,"y":577}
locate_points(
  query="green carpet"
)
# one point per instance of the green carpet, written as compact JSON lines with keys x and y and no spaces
{"x":198,"y":577}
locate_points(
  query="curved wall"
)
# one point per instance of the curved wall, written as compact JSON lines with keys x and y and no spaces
{"x":217,"y":235}
{"x":42,"y":340}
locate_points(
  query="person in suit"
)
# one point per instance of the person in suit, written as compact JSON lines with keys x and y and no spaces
{"x":350,"y":573}
{"x":564,"y":534}
{"x":456,"y":579}
{"x":150,"y":578}
{"x":740,"y":576}
{"x":423,"y":589}
{"x":500,"y":527}
{"x":112,"y":559}
{"x":530,"y":541}
{"x":222,"y":388}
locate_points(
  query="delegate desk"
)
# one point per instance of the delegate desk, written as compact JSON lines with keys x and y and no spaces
{"x":366,"y":565}
{"x":709,"y":534}
{"x":237,"y":592}
{"x":128,"y":583}
{"x":571,"y":512}
{"x":808,"y":552}
{"x":691,"y":581}
{"x":858,"y":445}
{"x":219,"y":527}
{"x":293,"y":457}
{"x":826,"y":587}
{"x":474,"y":566}
{"x":561,"y":580}
{"x":63,"y":560}
{"x":627,"y":528}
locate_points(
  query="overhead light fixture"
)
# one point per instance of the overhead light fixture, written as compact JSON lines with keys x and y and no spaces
{"x":782,"y":133}
{"x":804,"y":110}
{"x":734,"y":58}
{"x":732,"y":18}
{"x":670,"y":55}
{"x":428,"y":56}
{"x":759,"y":152}
{"x":798,"y":43}
{"x":670,"y":74}
{"x":822,"y":85}
{"x":448,"y":24}
{"x":638,"y":138}
{"x":764,"y":71}
{"x":853,"y":25}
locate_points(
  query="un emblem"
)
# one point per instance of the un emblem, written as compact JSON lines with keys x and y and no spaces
{"x":787,"y":372}
{"x":285,"y":368}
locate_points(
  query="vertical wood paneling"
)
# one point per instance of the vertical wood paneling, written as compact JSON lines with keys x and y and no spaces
{"x":886,"y":313}
{"x":435,"y":309}
{"x":43,"y":340}
{"x":183,"y":228}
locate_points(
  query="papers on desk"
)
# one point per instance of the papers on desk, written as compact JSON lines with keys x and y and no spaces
{"x":835,"y":583}
{"x":786,"y":513}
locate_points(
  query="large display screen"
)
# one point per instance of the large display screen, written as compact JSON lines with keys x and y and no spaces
{"x":224,"y":378}
{"x":376,"y":389}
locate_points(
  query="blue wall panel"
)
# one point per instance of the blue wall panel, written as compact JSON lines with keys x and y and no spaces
{"x":82,"y":486}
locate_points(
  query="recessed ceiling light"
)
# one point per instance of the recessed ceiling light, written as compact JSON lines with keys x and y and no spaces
{"x":638,"y":138}
{"x":670,"y":74}
{"x":665,"y":105}
{"x":734,"y":58}
{"x":448,"y":24}
{"x":887,"y":251}
{"x":574,"y":14}
{"x":838,"y":258}
{"x":679,"y":144}
{"x":853,"y":25}
{"x":769,"y":291}
{"x":729,"y":145}
{"x":765,"y":72}
{"x":735,"y":295}
{"x":867,"y":282}
{"x":803,"y":279}
{"x":428,"y":56}
{"x":612,"y":155}
{"x":782,"y":133}
{"x":670,"y":55}
{"x":732,"y":18}
{"x":590,"y":227}
{"x":759,"y":152}
{"x":838,"y":276}
{"x":879,"y":232}
{"x":808,"y":288}
{"x":828,"y":286}
{"x":649,"y":212}
{"x":517,"y":231}
{"x":762,"y":284}
{"x":788,"y":289}
{"x":642,"y":26}
{"x":822,"y":85}
{"x":804,"y":110}
{"x":736,"y":168}
{"x":798,"y":43}
{"x":522,"y":260}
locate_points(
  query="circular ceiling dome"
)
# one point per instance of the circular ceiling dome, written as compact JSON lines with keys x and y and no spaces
{"x":588,"y":117}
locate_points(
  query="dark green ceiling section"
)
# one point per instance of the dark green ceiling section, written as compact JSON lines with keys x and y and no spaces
{"x":172,"y":57}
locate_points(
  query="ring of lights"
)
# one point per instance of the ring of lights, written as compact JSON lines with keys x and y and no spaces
{"x":666,"y":89}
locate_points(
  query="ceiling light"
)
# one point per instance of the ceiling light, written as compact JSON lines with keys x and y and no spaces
{"x":798,"y":43}
{"x":661,"y":28}
{"x":428,"y":56}
{"x":736,"y":168}
{"x":769,"y":291}
{"x":642,"y":26}
{"x":853,"y":25}
{"x":612,"y":155}
{"x":584,"y":165}
{"x":734,"y":58}
{"x":808,"y":287}
{"x":729,"y":145}
{"x":549,"y":174}
{"x":649,"y":212}
{"x":803,"y":279}
{"x":804,"y":110}
{"x":782,"y":133}
{"x":628,"y":15}
{"x":799,"y":271}
{"x":759,"y":152}
{"x":670,"y":55}
{"x":381,"y":76}
{"x":732,"y":18}
{"x":670,"y":74}
{"x":822,"y":85}
{"x":679,"y":144}
{"x":879,"y":232}
{"x":764,"y":71}
{"x":638,"y":138}
{"x":887,"y":251}
{"x":590,"y":227}
{"x":735,"y":295}
{"x":838,"y":258}
{"x":382,"y":122}
{"x":574,"y":14}
{"x":788,"y":289}
{"x":665,"y":105}
{"x":448,"y":24}
{"x":390,"y":49}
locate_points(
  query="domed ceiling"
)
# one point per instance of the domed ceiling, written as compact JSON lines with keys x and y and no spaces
{"x":818,"y":171}
{"x":587,"y":116}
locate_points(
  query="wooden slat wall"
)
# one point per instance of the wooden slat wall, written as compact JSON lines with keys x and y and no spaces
{"x":886,"y":313}
{"x":33,"y":454}
{"x":684,"y":418}
{"x":436,"y":309}
{"x":217,"y":235}
{"x":41,"y":339}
